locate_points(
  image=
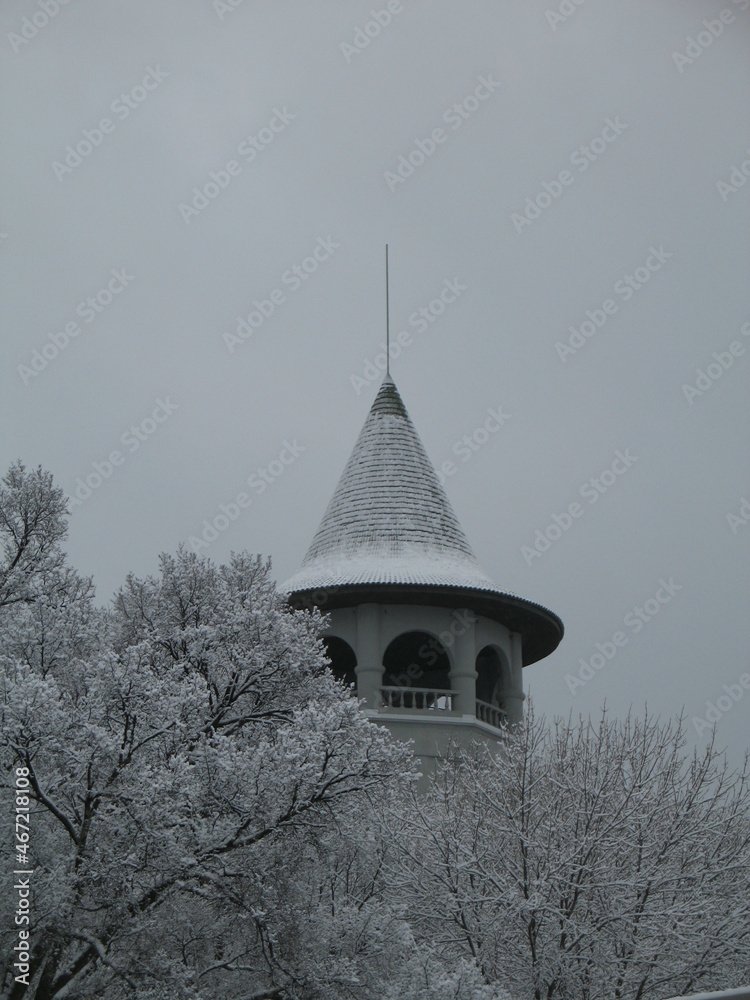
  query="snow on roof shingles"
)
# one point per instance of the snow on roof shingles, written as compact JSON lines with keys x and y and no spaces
{"x":389,"y":520}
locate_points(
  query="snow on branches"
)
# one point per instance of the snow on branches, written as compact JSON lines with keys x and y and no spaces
{"x":170,"y":771}
{"x":585,"y":861}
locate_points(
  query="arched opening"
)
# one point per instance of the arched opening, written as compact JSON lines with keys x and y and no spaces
{"x":417,"y":663}
{"x":494,"y":680}
{"x":343,"y":660}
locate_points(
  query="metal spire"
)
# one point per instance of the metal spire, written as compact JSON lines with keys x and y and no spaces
{"x":387,"y":320}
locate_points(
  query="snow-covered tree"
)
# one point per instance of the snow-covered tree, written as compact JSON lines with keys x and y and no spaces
{"x":32,"y":525}
{"x":179,"y":779}
{"x":47,"y":614}
{"x":205,"y":797}
{"x":584,"y":862}
{"x":60,"y":626}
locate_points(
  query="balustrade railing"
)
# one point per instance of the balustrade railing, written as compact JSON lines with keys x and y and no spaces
{"x":436,"y":700}
{"x":422,"y":699}
{"x":491,"y":714}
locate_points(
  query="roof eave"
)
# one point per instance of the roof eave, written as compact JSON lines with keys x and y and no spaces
{"x":541,"y":630}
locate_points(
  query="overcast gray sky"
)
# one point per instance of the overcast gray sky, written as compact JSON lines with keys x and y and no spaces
{"x":182,"y":163}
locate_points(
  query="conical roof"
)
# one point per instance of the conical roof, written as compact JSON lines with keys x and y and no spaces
{"x":389,"y":520}
{"x":389,"y":534}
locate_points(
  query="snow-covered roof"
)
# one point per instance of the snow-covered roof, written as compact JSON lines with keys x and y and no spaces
{"x":389,"y":520}
{"x":389,"y":531}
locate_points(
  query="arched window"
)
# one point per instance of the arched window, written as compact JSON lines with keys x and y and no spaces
{"x":418,"y":660}
{"x":493,"y":676}
{"x":343,"y":660}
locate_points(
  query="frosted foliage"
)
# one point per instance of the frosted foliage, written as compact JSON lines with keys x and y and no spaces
{"x":584,"y":862}
{"x":47,"y":615}
{"x":204,"y":800}
{"x":33,"y":523}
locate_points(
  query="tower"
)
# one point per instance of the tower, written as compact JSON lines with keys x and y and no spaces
{"x":434,"y":648}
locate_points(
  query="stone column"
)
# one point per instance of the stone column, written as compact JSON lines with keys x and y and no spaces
{"x":369,"y":659}
{"x":515,"y":698}
{"x":463,"y":669}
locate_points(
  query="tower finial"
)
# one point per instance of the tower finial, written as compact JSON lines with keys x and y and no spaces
{"x":387,"y":320}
